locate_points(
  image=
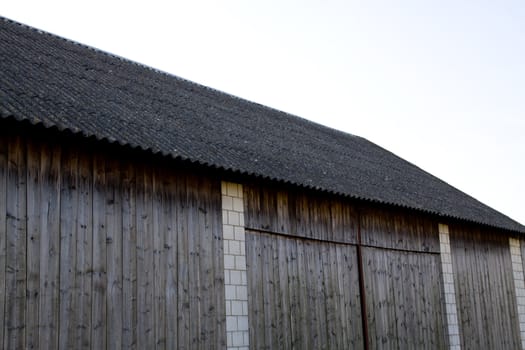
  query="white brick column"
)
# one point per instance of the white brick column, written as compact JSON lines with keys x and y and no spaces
{"x":450,"y":292}
{"x":236,"y":284}
{"x":519,"y":284}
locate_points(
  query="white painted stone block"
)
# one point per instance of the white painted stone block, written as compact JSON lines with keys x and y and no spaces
{"x":235,"y":248}
{"x":235,"y":277}
{"x":232,"y":189}
{"x":239,"y":233}
{"x":238,"y":339}
{"x":231,"y":323}
{"x":520,"y":283}
{"x":237,"y":205}
{"x":228,"y":232}
{"x":240,"y":262}
{"x":230,"y":292}
{"x":242,"y":323}
{"x":236,"y":308}
{"x":228,"y":308}
{"x":227,"y":203}
{"x":229,"y":261}
{"x":242,"y":292}
{"x":442,"y":228}
{"x":241,"y":221}
{"x":233,"y":218}
{"x":226,"y":276}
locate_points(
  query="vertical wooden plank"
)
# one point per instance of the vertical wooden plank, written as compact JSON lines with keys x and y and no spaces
{"x":113,"y":254}
{"x":16,"y":246}
{"x":171,"y":258}
{"x":253,"y":295}
{"x":68,"y":306}
{"x":3,"y":232}
{"x":329,"y":277}
{"x":159,"y":262}
{"x":50,"y":245}
{"x":129,"y":257}
{"x":276,"y":295}
{"x":193,"y":251}
{"x":183,"y":263}
{"x":204,"y":191}
{"x":350,"y":307}
{"x":100,"y":235}
{"x":285,"y":326}
{"x":84,"y":250}
{"x":317,"y":262}
{"x":267,"y":286}
{"x":218,"y":266}
{"x":344,"y":329}
{"x":283,"y":212}
{"x":297,"y":290}
{"x":145,"y":321}
{"x":33,"y":243}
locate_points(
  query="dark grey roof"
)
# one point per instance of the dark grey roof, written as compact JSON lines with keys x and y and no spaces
{"x":55,"y":82}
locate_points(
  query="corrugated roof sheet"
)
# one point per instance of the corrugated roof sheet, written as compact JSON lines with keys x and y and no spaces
{"x":49,"y":80}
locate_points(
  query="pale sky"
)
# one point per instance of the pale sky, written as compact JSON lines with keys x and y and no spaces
{"x":439,"y":83}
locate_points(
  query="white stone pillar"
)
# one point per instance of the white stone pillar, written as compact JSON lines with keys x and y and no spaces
{"x":450,"y":292}
{"x":519,"y":284}
{"x":236,"y":284}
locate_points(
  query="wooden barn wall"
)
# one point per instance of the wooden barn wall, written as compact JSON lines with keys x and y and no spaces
{"x":102,"y":253}
{"x":296,"y":213}
{"x":484,"y":285}
{"x":402,"y":273}
{"x":309,"y":243}
{"x":302,"y":294}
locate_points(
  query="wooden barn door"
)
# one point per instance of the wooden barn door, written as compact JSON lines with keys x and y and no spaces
{"x":303,"y":282}
{"x":404,"y":290}
{"x":304,"y":290}
{"x":485,"y":291}
{"x":303,"y":294}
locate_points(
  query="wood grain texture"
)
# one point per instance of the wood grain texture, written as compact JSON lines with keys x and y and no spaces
{"x":300,"y":213}
{"x":99,"y":250}
{"x":404,"y":299}
{"x":395,"y":228}
{"x":487,"y":311}
{"x":302,"y":294}
{"x":16,"y":232}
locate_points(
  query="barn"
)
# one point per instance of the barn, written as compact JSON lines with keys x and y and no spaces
{"x":141,"y":210}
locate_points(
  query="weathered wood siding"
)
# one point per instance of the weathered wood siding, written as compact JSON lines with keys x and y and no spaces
{"x":309,"y":243}
{"x":298,"y":213}
{"x":484,"y":288}
{"x":104,"y":251}
{"x":302,"y":294}
{"x":404,"y":291}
